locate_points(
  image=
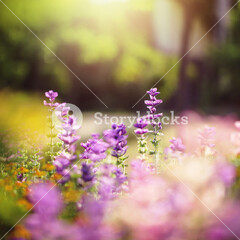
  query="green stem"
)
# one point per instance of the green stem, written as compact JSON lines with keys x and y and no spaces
{"x":124,"y":169}
{"x":155,"y":149}
{"x":51,"y":132}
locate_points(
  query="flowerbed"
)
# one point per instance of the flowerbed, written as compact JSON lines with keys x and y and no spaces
{"x":92,"y":191}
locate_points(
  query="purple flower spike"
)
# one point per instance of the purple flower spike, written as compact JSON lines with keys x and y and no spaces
{"x":117,"y":139}
{"x":152,"y":119}
{"x":70,"y":127}
{"x":51,"y":95}
{"x":153,"y":102}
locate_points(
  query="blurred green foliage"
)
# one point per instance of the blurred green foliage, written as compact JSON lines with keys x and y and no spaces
{"x":82,"y":34}
{"x":112,"y":48}
{"x":10,"y":211}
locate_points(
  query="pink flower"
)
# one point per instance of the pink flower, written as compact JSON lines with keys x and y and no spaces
{"x":177,"y":145}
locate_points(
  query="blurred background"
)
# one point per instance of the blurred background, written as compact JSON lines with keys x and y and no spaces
{"x":119,"y":49}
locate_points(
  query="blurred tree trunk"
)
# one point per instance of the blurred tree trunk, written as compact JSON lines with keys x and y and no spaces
{"x":183,"y":94}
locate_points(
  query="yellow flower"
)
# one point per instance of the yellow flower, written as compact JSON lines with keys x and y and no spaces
{"x":23,"y":170}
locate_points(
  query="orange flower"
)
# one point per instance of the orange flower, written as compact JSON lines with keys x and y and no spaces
{"x":40,"y":173}
{"x":19,"y":184}
{"x":24,"y":203}
{"x":56,"y":176}
{"x":26,"y":191}
{"x":8,"y":188}
{"x":21,"y":232}
{"x":48,"y":167}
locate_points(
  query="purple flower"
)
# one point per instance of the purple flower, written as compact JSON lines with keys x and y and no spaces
{"x":47,"y":199}
{"x":62,"y":111}
{"x":141,"y":131}
{"x":70,"y":125}
{"x":120,"y":176}
{"x":153,"y":92}
{"x":62,"y":162}
{"x":95,"y":228}
{"x":117,"y":139}
{"x":69,"y":140}
{"x":177,"y":145}
{"x":65,"y":176}
{"x":140,"y":125}
{"x":153,"y":118}
{"x":87,"y":175}
{"x":110,"y":181}
{"x":51,"y":95}
{"x":68,"y":136}
{"x":53,"y":229}
{"x":95,"y":149}
{"x":21,"y":178}
{"x":43,"y":223}
{"x":153,"y":102}
{"x":50,"y":104}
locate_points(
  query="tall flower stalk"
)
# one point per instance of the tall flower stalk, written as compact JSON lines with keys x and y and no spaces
{"x":69,"y":138}
{"x":51,"y":95}
{"x":117,"y":139}
{"x":152,"y":120}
